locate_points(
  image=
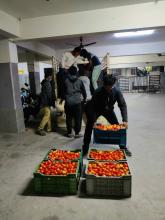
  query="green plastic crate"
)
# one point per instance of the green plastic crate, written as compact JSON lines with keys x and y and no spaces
{"x":96,"y":149}
{"x":56,"y":184}
{"x":108,"y":186}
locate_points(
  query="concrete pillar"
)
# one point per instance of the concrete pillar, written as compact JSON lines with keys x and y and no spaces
{"x":11,"y":113}
{"x":34,"y":74}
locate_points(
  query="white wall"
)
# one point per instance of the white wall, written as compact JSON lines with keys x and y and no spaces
{"x":109,"y":19}
{"x":8,"y":52}
{"x":9,"y":24}
{"x":23,"y":74}
{"x":123,"y":49}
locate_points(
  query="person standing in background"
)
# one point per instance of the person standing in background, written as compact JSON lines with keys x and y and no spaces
{"x":47,"y":100}
{"x":74,"y":88}
{"x":94,"y":66}
{"x":85,"y":79}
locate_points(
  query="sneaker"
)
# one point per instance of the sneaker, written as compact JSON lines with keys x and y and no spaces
{"x":78,"y":135}
{"x":128,"y":152}
{"x":41,"y":132}
{"x":48,"y":131}
{"x":69,"y":135}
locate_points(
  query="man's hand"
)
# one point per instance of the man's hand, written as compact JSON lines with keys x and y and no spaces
{"x":125,"y":124}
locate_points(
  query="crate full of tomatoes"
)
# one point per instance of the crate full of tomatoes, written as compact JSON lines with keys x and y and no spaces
{"x":108,"y":179}
{"x":110,"y":134}
{"x":64,"y":154}
{"x":57,"y":177}
{"x":106,"y":155}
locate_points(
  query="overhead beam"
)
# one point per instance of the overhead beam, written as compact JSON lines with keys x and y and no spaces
{"x":135,"y":61}
{"x":146,"y":15}
{"x":9,"y":25}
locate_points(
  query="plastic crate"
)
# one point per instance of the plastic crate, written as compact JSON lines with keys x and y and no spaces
{"x":69,"y":149}
{"x":57,"y":184}
{"x":118,"y":137}
{"x":97,"y":149}
{"x":108,"y":186}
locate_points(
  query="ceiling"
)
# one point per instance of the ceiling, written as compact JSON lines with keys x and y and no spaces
{"x":102,"y":39}
{"x":36,"y":8}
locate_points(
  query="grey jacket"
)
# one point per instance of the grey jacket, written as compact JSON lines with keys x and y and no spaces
{"x":74,"y":88}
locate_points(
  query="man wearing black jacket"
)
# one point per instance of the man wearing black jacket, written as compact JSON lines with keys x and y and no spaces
{"x":102,"y":103}
{"x":47,"y":100}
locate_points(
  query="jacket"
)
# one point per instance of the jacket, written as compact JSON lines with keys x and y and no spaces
{"x":102,"y":101}
{"x":46,"y":93}
{"x":74,"y":88}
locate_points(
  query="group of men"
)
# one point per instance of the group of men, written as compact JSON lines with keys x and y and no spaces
{"x":74,"y":91}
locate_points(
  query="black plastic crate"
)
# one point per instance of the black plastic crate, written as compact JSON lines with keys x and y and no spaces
{"x":56,"y":184}
{"x":118,"y":137}
{"x":108,"y":186}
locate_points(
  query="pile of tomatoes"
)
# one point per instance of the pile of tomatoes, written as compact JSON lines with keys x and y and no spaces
{"x":63,"y":155}
{"x":108,"y":169}
{"x":50,"y":167}
{"x":110,"y":127}
{"x":107,"y":155}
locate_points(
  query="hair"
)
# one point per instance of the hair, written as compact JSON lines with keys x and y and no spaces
{"x":84,"y":53}
{"x":48,"y":72}
{"x":109,"y":80}
{"x":73,"y":70}
{"x":77,"y":50}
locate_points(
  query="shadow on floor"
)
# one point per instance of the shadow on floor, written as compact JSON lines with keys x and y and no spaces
{"x":29,"y":191}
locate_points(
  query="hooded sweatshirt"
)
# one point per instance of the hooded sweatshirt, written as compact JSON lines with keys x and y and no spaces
{"x":74,"y":88}
{"x":46,"y":93}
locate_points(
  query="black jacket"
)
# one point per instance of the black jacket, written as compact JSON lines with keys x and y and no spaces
{"x":74,"y":88}
{"x":102,"y":101}
{"x":46,"y":93}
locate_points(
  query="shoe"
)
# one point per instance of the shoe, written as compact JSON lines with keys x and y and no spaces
{"x":69,"y":135}
{"x":128,"y":152}
{"x":41,"y":132}
{"x":78,"y":135}
{"x":48,"y":131}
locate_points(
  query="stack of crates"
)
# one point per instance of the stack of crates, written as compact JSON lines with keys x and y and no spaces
{"x":58,"y":184}
{"x":97,"y":185}
{"x":108,"y":185}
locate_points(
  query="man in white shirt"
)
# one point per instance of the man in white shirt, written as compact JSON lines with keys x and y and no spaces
{"x":70,"y":58}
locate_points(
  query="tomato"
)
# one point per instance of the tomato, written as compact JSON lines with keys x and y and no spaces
{"x":57,"y":168}
{"x":107,"y":155}
{"x":108,"y":169}
{"x":63,"y":155}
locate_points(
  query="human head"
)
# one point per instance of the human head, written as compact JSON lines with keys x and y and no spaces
{"x":48,"y":73}
{"x":84,"y":53}
{"x":76,"y":51}
{"x":73,"y":70}
{"x":109,"y":81}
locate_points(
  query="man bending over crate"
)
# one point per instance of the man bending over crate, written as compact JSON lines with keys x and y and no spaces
{"x":102,"y":103}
